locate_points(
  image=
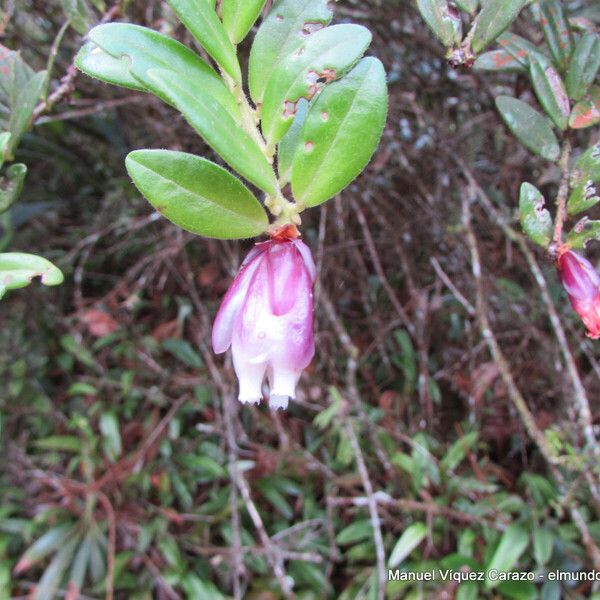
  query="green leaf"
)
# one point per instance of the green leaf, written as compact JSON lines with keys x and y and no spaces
{"x":550,"y":91}
{"x":22,"y":112}
{"x":443,"y":20}
{"x":467,"y":591}
{"x":282,"y":32}
{"x":584,"y":194}
{"x":512,"y":544}
{"x":288,"y":146}
{"x":531,"y":128}
{"x":551,"y":591}
{"x":144,"y":49}
{"x":12,"y":185}
{"x":586,"y":113}
{"x":217,"y":127}
{"x":583,"y":66}
{"x":17,"y":270}
{"x":518,"y":590}
{"x":589,"y":162}
{"x":95,"y":62}
{"x":80,"y":564}
{"x":183,"y":352}
{"x":79,"y":14}
{"x":521,"y":49}
{"x":324,"y":56}
{"x":557,"y":32}
{"x":355,"y":532}
{"x":53,"y":575}
{"x":535,"y":219}
{"x":493,"y":19}
{"x":543,"y":541}
{"x":4,"y":145}
{"x":201,"y":20}
{"x":109,"y":427}
{"x":469,"y":6}
{"x":457,"y":452}
{"x":497,"y":60}
{"x":583,"y":232}
{"x":239,"y":16}
{"x":45,"y":545}
{"x":340,"y":133}
{"x":411,"y":537}
{"x":196,"y":194}
{"x":68,"y":443}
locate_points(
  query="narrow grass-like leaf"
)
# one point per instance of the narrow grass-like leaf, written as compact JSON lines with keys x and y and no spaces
{"x":535,"y":219}
{"x":411,"y":537}
{"x":56,"y":570}
{"x":44,"y":546}
{"x":217,"y":127}
{"x":11,"y":187}
{"x":340,"y":133}
{"x":583,"y":66}
{"x":494,"y":18}
{"x":323,"y":57}
{"x":201,"y":20}
{"x":531,"y":128}
{"x":512,"y":544}
{"x":550,"y":92}
{"x":239,"y":16}
{"x":557,"y":32}
{"x":196,"y":194}
{"x":282,"y":32}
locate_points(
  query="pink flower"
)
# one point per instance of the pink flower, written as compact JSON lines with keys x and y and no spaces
{"x":582,"y":284}
{"x":267,"y":319}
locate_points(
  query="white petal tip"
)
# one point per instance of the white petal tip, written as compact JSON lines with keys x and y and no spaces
{"x":249,"y":400}
{"x":277,"y":401}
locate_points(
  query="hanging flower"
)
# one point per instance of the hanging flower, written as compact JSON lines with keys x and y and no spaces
{"x":582,"y":284}
{"x":267,"y":319}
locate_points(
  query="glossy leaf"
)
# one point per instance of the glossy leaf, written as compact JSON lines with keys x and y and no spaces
{"x":201,"y":20}
{"x":583,"y":232}
{"x":340,"y":133}
{"x":239,"y":16}
{"x":17,"y":270}
{"x":512,"y":544}
{"x":196,"y":194}
{"x":323,"y":56}
{"x":586,"y":113}
{"x":531,"y":128}
{"x":12,"y":185}
{"x":557,"y":31}
{"x":443,"y":19}
{"x":493,"y":19}
{"x":550,"y":92}
{"x":289,"y":143}
{"x":95,"y":62}
{"x":583,"y":66}
{"x":411,"y":537}
{"x":145,"y":49}
{"x":282,"y":32}
{"x":216,"y":126}
{"x":535,"y":219}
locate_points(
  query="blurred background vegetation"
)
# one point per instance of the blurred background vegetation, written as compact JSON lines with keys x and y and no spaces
{"x":128,"y":469}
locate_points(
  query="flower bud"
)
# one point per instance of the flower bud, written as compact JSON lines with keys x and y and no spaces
{"x":582,"y":284}
{"x":267,"y":319}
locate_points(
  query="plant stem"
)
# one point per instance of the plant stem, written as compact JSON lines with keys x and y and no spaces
{"x":563,"y":191}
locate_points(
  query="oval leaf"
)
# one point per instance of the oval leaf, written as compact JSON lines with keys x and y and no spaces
{"x":144,"y":49}
{"x":282,"y":32}
{"x":584,"y":194}
{"x":196,"y":194}
{"x":200,"y":19}
{"x":586,"y":113}
{"x":409,"y":540}
{"x":324,"y":56}
{"x":583,"y":232}
{"x":550,"y":91}
{"x":239,"y":16}
{"x":532,"y":129}
{"x":340,"y":133}
{"x":443,"y":20}
{"x":494,"y":18}
{"x":512,"y":544}
{"x":583,"y":66}
{"x":535,"y":219}
{"x":521,"y":49}
{"x":17,"y":270}
{"x":217,"y":127}
{"x":498,"y":60}
{"x":543,"y":542}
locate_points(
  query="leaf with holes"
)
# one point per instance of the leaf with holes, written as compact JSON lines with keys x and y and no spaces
{"x":531,"y":128}
{"x":494,"y":18}
{"x":144,"y":49}
{"x":323,"y":57}
{"x":282,"y":32}
{"x":239,"y":16}
{"x":583,"y":66}
{"x":196,"y":194}
{"x":583,"y":232}
{"x":584,"y":193}
{"x":340,"y":133}
{"x":11,"y":186}
{"x":590,"y":161}
{"x":201,"y":20}
{"x":443,"y":19}
{"x":17,"y":270}
{"x":288,"y":146}
{"x":216,"y":126}
{"x":535,"y":219}
{"x":586,"y":113}
{"x":550,"y":92}
{"x":557,"y":32}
